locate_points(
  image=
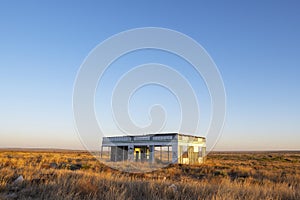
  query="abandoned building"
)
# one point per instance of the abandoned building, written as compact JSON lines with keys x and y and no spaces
{"x":164,"y":148}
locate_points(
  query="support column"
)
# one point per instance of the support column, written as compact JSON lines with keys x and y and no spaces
{"x":113,"y":153}
{"x":168,"y":153}
{"x":123,"y":152}
{"x":175,"y":153}
{"x":130,"y":152}
{"x":160,"y":153}
{"x":152,"y":154}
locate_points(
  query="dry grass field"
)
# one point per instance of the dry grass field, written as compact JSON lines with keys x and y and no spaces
{"x":78,"y":175}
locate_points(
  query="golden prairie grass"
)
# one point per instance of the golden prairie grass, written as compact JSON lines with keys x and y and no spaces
{"x":78,"y":175}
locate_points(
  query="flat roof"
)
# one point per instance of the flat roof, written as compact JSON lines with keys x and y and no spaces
{"x":157,"y":134}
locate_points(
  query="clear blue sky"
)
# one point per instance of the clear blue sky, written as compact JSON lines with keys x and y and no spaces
{"x":255,"y":44}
